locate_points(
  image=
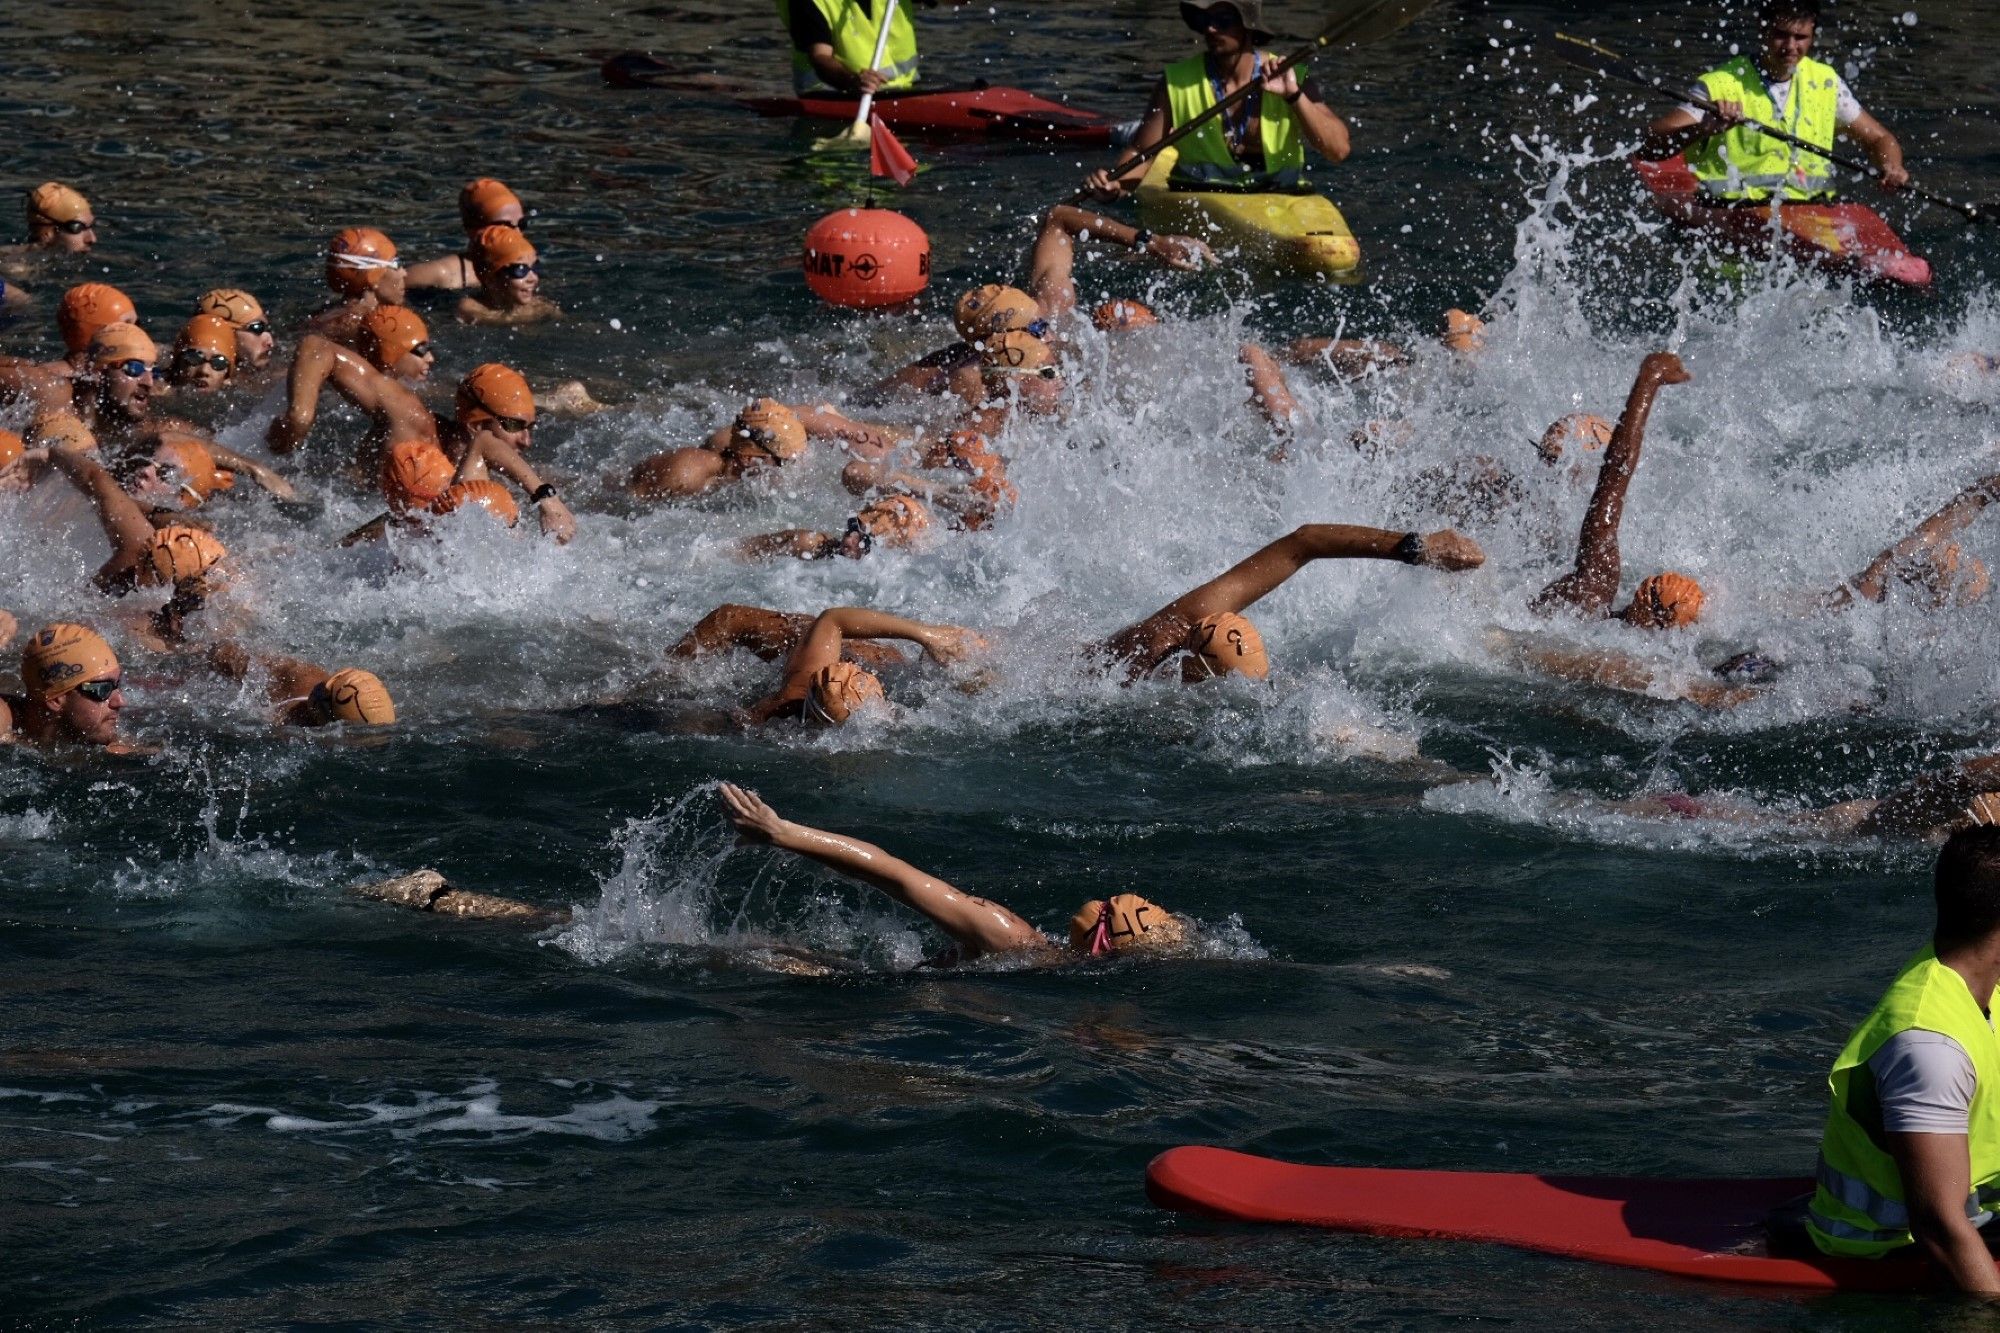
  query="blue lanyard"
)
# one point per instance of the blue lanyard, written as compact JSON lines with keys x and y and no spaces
{"x":1234,"y":129}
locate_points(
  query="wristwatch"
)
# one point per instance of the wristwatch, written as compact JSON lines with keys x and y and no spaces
{"x":545,"y":491}
{"x":1141,"y":238}
{"x":1410,"y":550}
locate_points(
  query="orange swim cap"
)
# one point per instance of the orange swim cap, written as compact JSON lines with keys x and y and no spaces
{"x":414,"y":474}
{"x":1123,"y":315}
{"x":195,"y":473}
{"x":1225,"y":642}
{"x":88,"y":307}
{"x":1665,"y":601}
{"x":1014,"y":351}
{"x":1463,"y":333}
{"x":967,"y":450}
{"x":840,"y":690}
{"x":209,"y":333}
{"x":769,"y":425}
{"x":485,"y":494}
{"x":11,"y":448}
{"x":985,"y":311}
{"x":60,"y":657}
{"x":496,"y":247}
{"x":238,"y":307}
{"x":388,"y":333}
{"x":481,"y":203}
{"x":178,"y":553}
{"x":1123,"y":922}
{"x":121,"y":342}
{"x":894,"y":520}
{"x":354,"y":695}
{"x":52,"y":201}
{"x":493,"y":391}
{"x":356,"y":258}
{"x":1581,"y":429}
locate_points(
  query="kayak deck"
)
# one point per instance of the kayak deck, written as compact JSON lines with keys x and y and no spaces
{"x":1843,"y":237}
{"x":1708,"y":1229}
{"x":979,"y":111}
{"x":1295,"y":233}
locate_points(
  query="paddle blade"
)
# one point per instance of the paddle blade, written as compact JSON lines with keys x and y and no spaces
{"x":886,"y":154}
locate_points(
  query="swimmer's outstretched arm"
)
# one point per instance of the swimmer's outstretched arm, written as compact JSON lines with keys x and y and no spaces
{"x":1350,"y":357}
{"x":554,"y":515}
{"x":1269,"y":393}
{"x":862,"y":438}
{"x":251,"y":468}
{"x":1592,"y":585}
{"x":767,"y":633}
{"x":1052,"y":261}
{"x":1615,"y":670}
{"x":1933,"y":801}
{"x":824,"y":641}
{"x":798,"y":543}
{"x":1958,"y":513}
{"x":124,"y":523}
{"x":977,"y":925}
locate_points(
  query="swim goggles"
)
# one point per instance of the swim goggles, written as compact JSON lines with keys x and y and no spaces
{"x":194,"y":356}
{"x":100,"y":691}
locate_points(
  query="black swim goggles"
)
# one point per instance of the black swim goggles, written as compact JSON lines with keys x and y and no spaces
{"x":856,"y":528}
{"x":194,"y":356}
{"x":74,"y":227}
{"x":516,"y":272}
{"x":100,"y":691}
{"x":256,"y":328}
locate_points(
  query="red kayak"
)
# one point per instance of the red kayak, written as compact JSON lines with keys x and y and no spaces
{"x":1709,"y":1229}
{"x":999,"y":113}
{"x":1846,"y":238}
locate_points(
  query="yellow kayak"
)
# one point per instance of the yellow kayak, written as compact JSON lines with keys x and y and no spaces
{"x":1295,"y":233}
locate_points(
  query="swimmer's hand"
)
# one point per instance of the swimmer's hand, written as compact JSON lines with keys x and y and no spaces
{"x":556,"y":520}
{"x":1664,"y":368}
{"x":949,"y":644}
{"x":286,"y":433}
{"x":1185,"y":253}
{"x":8,"y":627}
{"x":755,"y":821}
{"x":1447,"y":549}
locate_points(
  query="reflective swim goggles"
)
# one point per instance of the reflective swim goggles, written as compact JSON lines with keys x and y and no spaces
{"x":422,"y":349}
{"x":194,"y":356}
{"x":135,"y":368}
{"x":100,"y":691}
{"x":255,"y":327}
{"x":516,"y":272}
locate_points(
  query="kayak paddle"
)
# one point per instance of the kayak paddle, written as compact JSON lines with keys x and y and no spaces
{"x":1368,"y":21}
{"x":1588,"y":55}
{"x":857,"y":135}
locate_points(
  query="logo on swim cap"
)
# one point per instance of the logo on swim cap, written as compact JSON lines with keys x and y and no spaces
{"x":61,"y":657}
{"x":178,"y":553}
{"x":1579,"y":429}
{"x":356,"y":258}
{"x":121,"y":342}
{"x":769,"y":425}
{"x":389,"y":333}
{"x":52,"y":201}
{"x":985,"y":311}
{"x":1123,"y":315}
{"x":895,"y":519}
{"x":414,"y":474}
{"x":354,"y":695}
{"x":485,"y":494}
{"x":1226,"y":643}
{"x":88,"y":307}
{"x":237,"y":306}
{"x":1665,"y":601}
{"x":839,"y":690}
{"x":1124,"y":922}
{"x":493,"y":391}
{"x":497,"y":246}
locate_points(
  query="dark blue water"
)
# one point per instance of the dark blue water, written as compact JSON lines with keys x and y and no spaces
{"x":231,"y":1095}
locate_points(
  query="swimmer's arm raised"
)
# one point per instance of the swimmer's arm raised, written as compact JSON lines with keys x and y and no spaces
{"x":943,"y":644}
{"x":1958,"y":513}
{"x":976,"y":924}
{"x":124,"y":523}
{"x":313,"y":364}
{"x":1592,"y":585}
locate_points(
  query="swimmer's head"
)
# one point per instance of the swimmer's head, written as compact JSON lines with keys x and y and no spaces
{"x":484,"y":494}
{"x":506,"y":263}
{"x":1948,"y":576}
{"x":184,"y":466}
{"x":839,"y":690}
{"x":966,"y":450}
{"x":499,"y":398}
{"x":1578,"y":430}
{"x":353,"y":696}
{"x":415,"y":473}
{"x":88,"y":307}
{"x":1463,"y":333}
{"x":61,"y":218}
{"x":397,"y":343}
{"x":766,"y":428}
{"x":177,"y":554}
{"x":893,"y":520}
{"x":70,"y":671}
{"x":358,"y":259}
{"x":993,"y":309}
{"x":204,"y":354}
{"x":1664,"y":601}
{"x":487,"y":202}
{"x":245,"y":314}
{"x":1021,"y":362}
{"x":1124,"y":923}
{"x":11,"y":448}
{"x":1224,"y":644}
{"x":122,"y":358}
{"x":1123,"y":315}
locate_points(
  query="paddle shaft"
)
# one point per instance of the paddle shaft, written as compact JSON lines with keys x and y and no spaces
{"x":1615,"y":68}
{"x":881,"y":45}
{"x":1328,"y":35}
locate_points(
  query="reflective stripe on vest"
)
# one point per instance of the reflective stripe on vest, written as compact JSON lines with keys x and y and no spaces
{"x":854,"y":35}
{"x":1205,"y":162}
{"x":1746,"y":163}
{"x":1858,"y":1207}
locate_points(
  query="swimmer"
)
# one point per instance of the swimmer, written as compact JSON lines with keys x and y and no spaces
{"x":1930,"y":807}
{"x":1928,"y":556}
{"x":428,"y":891}
{"x":255,"y":342}
{"x":176,"y":556}
{"x":1123,"y":924}
{"x":771,"y":635}
{"x":362,"y":270}
{"x":1015,"y":369}
{"x":493,"y":423}
{"x":482,"y":203}
{"x":765,"y":435}
{"x":204,"y":355}
{"x":394,"y":412}
{"x":824,"y":680}
{"x":969,"y":504}
{"x":308,"y":695}
{"x":60,"y":222}
{"x":72,"y":692}
{"x":396,"y":342}
{"x":83,"y":310}
{"x":894,"y":521}
{"x":510,"y":276}
{"x":1460,"y":333}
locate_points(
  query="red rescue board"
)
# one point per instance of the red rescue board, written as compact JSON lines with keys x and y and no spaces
{"x":1002,"y":113}
{"x":1708,"y":1229}
{"x":1845,"y":238}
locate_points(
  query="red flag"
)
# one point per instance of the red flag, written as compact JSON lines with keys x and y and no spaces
{"x":886,"y":154}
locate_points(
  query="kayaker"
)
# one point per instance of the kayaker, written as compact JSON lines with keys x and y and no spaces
{"x":1911,"y":1150}
{"x":833,"y":45}
{"x":1257,"y":146}
{"x":1736,"y":163}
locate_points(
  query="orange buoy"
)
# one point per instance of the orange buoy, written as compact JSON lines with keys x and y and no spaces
{"x":866,"y":258}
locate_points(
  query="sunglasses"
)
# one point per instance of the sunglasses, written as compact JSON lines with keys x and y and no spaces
{"x":255,"y":328}
{"x":855,"y":528}
{"x":100,"y":691}
{"x":74,"y":227}
{"x":516,"y":272}
{"x":1211,"y":20}
{"x":194,"y":356}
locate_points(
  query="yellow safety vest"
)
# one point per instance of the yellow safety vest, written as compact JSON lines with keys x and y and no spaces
{"x":1859,"y":1209}
{"x":1747,"y":164}
{"x":854,"y":35}
{"x":1205,"y":163}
